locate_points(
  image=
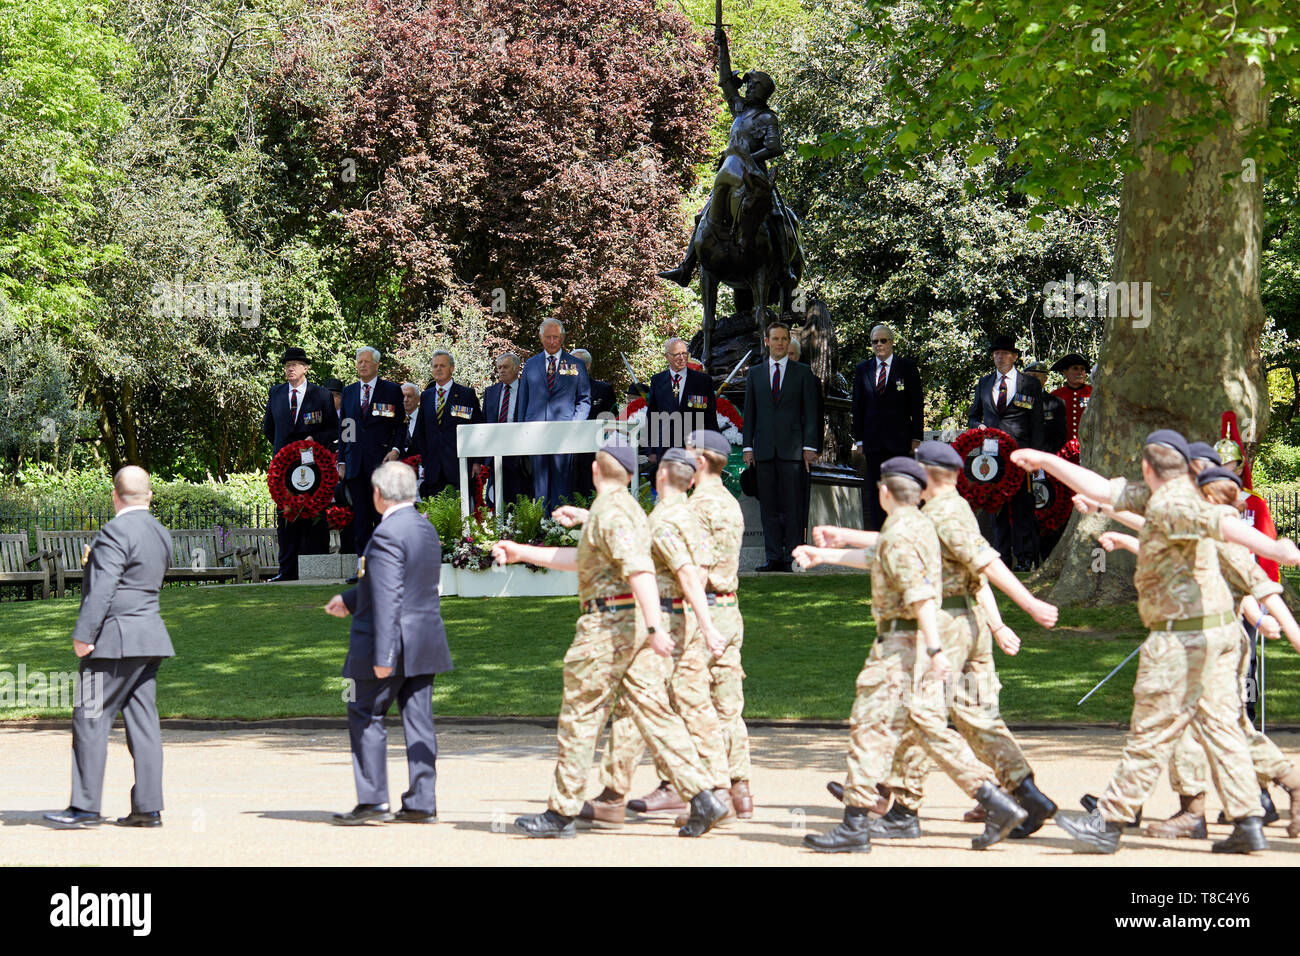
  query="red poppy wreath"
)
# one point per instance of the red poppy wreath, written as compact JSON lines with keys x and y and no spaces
{"x":987,"y":481}
{"x":302,"y":485}
{"x":1052,"y":499}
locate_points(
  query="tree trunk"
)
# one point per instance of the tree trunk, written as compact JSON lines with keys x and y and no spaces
{"x":1196,"y":353}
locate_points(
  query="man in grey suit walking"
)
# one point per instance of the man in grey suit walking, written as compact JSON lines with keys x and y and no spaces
{"x":397,"y":645}
{"x":121,"y":639}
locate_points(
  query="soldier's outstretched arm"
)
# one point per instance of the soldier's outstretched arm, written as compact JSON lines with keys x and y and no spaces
{"x":1115,"y":539}
{"x":1278,"y":609}
{"x":808,"y":556}
{"x":1283,"y":550}
{"x":1004,"y":578}
{"x":1128,"y":519}
{"x":1077,"y":477}
{"x":832,"y":536}
{"x":557,"y":559}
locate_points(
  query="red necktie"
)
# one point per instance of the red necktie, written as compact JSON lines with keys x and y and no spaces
{"x":293,"y":404}
{"x":365,"y":399}
{"x":776,"y":381}
{"x":1002,"y":396}
{"x":550,"y":374}
{"x":505,"y":405}
{"x":880,"y":379}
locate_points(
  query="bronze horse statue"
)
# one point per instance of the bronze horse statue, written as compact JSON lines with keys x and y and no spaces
{"x":735,"y":245}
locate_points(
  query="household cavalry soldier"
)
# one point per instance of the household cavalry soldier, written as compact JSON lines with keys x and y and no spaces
{"x":680,"y":549}
{"x":1260,"y":599}
{"x":614,"y":652}
{"x":1188,"y":665}
{"x":895,"y":692}
{"x":1075,"y":392}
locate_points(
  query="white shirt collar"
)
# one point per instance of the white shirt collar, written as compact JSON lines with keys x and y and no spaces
{"x":397,"y":507}
{"x":133,"y":508}
{"x":554,"y":355}
{"x":446,"y":388}
{"x":371,"y":383}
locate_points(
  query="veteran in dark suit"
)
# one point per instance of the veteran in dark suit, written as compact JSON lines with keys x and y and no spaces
{"x":294,"y":411}
{"x":1013,"y":402}
{"x":780,"y":440}
{"x":887,"y":415}
{"x":680,"y":400}
{"x":396,"y":646}
{"x":554,"y":387}
{"x":444,"y":407}
{"x":501,"y":405}
{"x":121,"y":639}
{"x":370,"y":433}
{"x":411,"y":420}
{"x":347,"y":540}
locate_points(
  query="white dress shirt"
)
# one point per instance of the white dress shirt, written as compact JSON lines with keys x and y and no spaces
{"x":397,"y":507}
{"x":997,"y":384}
{"x":300,"y":391}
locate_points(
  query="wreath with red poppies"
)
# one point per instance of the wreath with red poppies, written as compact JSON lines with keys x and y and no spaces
{"x":339,"y":517}
{"x":1052,"y":499}
{"x":987,"y":490}
{"x":293,"y":501}
{"x":413,"y":461}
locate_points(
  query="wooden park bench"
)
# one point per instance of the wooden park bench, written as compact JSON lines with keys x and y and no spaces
{"x":256,"y":552}
{"x":197,"y":555}
{"x":16,"y":564}
{"x":67,"y":548}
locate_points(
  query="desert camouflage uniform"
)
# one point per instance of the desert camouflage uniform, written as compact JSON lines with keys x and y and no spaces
{"x":720,"y":517}
{"x":1184,"y":676}
{"x":676,"y":540}
{"x":974,"y":707}
{"x":1189,"y":771}
{"x":610,"y":655}
{"x":894,"y":692}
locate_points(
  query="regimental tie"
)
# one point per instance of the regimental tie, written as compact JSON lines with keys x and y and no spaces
{"x":365,"y":398}
{"x":550,"y":374}
{"x":1002,"y":395}
{"x":504,"y":415}
{"x":880,"y":379}
{"x":776,"y":381}
{"x":442,"y":403}
{"x":293,"y":404}
{"x":677,"y":381}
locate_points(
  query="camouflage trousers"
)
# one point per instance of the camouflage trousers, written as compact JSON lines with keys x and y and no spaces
{"x":610,"y":657}
{"x":973,"y":709}
{"x":690,"y":697}
{"x":896,"y":696}
{"x":727,"y":678}
{"x":1189,"y":770}
{"x":1185,"y":679}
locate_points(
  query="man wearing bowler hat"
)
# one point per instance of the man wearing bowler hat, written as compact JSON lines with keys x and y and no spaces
{"x":294,"y":411}
{"x":1012,"y":401}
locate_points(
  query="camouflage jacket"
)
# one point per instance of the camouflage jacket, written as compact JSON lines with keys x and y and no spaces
{"x":615,"y":543}
{"x":907,"y":565}
{"x":676,"y":539}
{"x":1241,"y":572}
{"x":718,"y":513}
{"x":965,"y":551}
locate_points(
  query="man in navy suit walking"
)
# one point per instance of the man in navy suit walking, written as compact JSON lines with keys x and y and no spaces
{"x":396,"y":646}
{"x":887,"y":418}
{"x":501,"y":405}
{"x":554,"y":387}
{"x":444,"y":407}
{"x":681,"y":401}
{"x":294,"y":411}
{"x":370,"y":433}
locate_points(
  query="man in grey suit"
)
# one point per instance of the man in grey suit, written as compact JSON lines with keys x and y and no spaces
{"x":121,"y":639}
{"x":780,"y":434}
{"x":397,"y":645}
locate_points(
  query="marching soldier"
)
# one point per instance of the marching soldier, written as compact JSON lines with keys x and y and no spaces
{"x":680,"y":549}
{"x":612,"y":654}
{"x":897,"y":691}
{"x":1188,"y":665}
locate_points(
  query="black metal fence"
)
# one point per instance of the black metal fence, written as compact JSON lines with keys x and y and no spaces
{"x":13,"y":521}
{"x":1284,"y":506}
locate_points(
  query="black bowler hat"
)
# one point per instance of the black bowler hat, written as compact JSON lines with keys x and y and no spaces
{"x":1004,"y":343}
{"x":333,"y":384}
{"x":1218,"y":473}
{"x":1074,"y":358}
{"x":907,"y":467}
{"x":1203,"y":449}
{"x":938,"y":454}
{"x":1170,"y":439}
{"x":749,"y":481}
{"x":295,"y":354}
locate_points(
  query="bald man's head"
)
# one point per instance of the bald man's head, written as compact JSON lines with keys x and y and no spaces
{"x":132,"y":486}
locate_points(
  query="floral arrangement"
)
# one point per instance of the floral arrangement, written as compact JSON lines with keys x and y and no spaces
{"x":991,"y":493}
{"x":730,"y":421}
{"x":294,"y":504}
{"x":339,"y":517}
{"x":467,"y":541}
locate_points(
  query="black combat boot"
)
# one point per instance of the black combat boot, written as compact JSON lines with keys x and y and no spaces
{"x":899,"y":823}
{"x":853,"y":835}
{"x":706,"y":810}
{"x":1092,"y":832}
{"x":548,"y":824}
{"x":1036,"y":803}
{"x":1247,"y":836}
{"x":1002,"y":815}
{"x":1089,"y":803}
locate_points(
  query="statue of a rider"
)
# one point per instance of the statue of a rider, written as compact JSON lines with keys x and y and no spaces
{"x":759,"y":129}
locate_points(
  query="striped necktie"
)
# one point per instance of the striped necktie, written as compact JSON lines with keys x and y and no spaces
{"x":442,"y":403}
{"x":504,"y":416}
{"x":550,"y":374}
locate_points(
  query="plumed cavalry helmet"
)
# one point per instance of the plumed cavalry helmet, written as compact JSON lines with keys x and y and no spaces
{"x":1228,"y":450}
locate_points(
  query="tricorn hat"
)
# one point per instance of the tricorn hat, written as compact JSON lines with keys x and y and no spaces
{"x":295,"y":354}
{"x":1004,"y":343}
{"x":1074,"y":358}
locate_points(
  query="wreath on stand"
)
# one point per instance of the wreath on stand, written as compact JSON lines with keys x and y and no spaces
{"x":987,"y":481}
{"x":1052,"y":499}
{"x":302,"y":479}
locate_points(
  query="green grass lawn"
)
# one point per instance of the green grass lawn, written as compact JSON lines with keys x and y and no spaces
{"x":272,"y":652}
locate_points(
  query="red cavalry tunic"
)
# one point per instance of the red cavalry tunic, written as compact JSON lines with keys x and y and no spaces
{"x":1076,"y":400}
